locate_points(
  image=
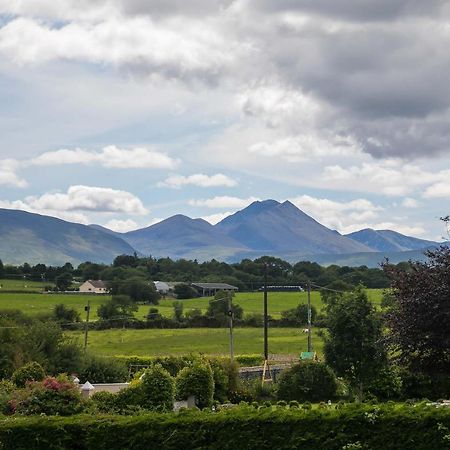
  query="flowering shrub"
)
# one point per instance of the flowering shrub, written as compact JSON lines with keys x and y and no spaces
{"x":32,"y":371}
{"x":52,"y":396}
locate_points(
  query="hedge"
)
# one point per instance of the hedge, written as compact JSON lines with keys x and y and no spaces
{"x":366,"y":427}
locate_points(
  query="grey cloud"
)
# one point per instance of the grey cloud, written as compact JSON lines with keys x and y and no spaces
{"x":360,"y":10}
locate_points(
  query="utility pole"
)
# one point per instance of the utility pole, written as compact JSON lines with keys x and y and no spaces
{"x":309,"y":318}
{"x":230,"y":321}
{"x":266,"y":368}
{"x":87,"y":308}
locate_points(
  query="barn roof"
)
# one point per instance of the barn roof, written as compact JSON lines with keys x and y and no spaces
{"x":223,"y":286}
{"x":98,"y":284}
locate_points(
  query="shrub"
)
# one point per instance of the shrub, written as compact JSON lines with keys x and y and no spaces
{"x":52,"y":396}
{"x":387,"y":385}
{"x":184,"y":291}
{"x":32,"y":371}
{"x":220,"y":377}
{"x":198,"y":381}
{"x":102,"y":370}
{"x":105,"y":402}
{"x":310,"y":381}
{"x":157,"y":387}
{"x":7,"y":389}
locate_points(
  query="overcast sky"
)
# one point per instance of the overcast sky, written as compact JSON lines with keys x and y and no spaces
{"x":124,"y":112}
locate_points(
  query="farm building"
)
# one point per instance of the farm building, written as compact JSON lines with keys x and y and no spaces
{"x":208,"y":289}
{"x":94,"y":287}
{"x":162,"y":287}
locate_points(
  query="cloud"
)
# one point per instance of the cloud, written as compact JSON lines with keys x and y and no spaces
{"x":409,"y":202}
{"x":78,"y":200}
{"x":8,"y":175}
{"x":342,"y":216}
{"x":199,"y":179}
{"x":110,"y":157}
{"x":213,"y":219}
{"x":438,"y":190}
{"x":221,"y":202}
{"x":121,"y":226}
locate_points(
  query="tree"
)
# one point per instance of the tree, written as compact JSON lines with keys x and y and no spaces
{"x":2,"y":269}
{"x":63,"y":281}
{"x":419,"y":321}
{"x":353,"y":345}
{"x":184,"y":291}
{"x":178,"y":311}
{"x":298,"y":315}
{"x":138,"y":290}
{"x":218,"y":308}
{"x":63,"y":313}
{"x":119,"y":307}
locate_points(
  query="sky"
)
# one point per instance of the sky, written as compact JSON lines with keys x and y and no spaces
{"x":125,"y":112}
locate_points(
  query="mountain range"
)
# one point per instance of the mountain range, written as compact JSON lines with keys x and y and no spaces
{"x":263,"y":228}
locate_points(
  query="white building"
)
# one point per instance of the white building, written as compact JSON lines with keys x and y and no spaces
{"x":161,"y":287}
{"x":94,"y":287}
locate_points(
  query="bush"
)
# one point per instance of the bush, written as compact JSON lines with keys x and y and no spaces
{"x":220,"y":377}
{"x":387,"y":385}
{"x":184,"y":291}
{"x":198,"y":381}
{"x":105,"y":402}
{"x":375,"y":428}
{"x":52,"y":396}
{"x":310,"y":381}
{"x":157,"y":387}
{"x":102,"y":370}
{"x":32,"y":371}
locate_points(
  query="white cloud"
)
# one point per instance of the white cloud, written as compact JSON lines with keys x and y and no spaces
{"x":409,"y":202}
{"x":416,"y":230}
{"x":109,"y":157}
{"x":121,"y":226}
{"x":438,"y":190}
{"x":8,"y":175}
{"x":178,"y":48}
{"x":216,"y":218}
{"x":79,"y":200}
{"x":199,"y":179}
{"x":342,"y":216}
{"x":221,"y":202}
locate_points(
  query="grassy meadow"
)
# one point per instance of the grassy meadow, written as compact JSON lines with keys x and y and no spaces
{"x":286,"y":341}
{"x":211,"y":341}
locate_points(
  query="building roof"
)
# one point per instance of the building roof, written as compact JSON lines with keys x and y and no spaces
{"x":98,"y":284}
{"x":223,"y":286}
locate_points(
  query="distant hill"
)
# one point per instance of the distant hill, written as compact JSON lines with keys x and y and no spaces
{"x":32,"y":238}
{"x":388,"y":240}
{"x":272,"y":227}
{"x":263,"y":228}
{"x":182,"y":237}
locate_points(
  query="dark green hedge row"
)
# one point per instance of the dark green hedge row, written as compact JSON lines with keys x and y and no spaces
{"x":365,"y":427}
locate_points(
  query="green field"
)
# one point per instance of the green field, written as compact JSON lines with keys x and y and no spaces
{"x":251,"y":302}
{"x":21,"y":284}
{"x":211,"y":341}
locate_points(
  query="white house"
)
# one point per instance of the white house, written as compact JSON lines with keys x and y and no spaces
{"x":94,"y":287}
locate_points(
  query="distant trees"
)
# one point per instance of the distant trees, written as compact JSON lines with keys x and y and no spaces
{"x":298,"y":315}
{"x":65,"y":314}
{"x":2,"y":269}
{"x":118,"y":308}
{"x":64,"y":281}
{"x":184,"y":291}
{"x":137,"y":289}
{"x":219,"y":310}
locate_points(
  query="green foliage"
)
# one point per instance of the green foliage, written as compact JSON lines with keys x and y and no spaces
{"x":105,"y":402}
{"x":96,"y":369}
{"x":178,"y":311}
{"x":157,"y":387}
{"x":311,"y":381}
{"x":120,"y":307}
{"x":221,"y":371}
{"x":198,"y":381}
{"x":387,"y":385}
{"x":219,"y":310}
{"x":65,"y":314}
{"x":52,"y":396}
{"x":63,"y":281}
{"x":137,"y":289}
{"x":32,"y":371}
{"x":353,"y":346}
{"x":184,"y":291}
{"x":375,"y":428}
{"x":298,"y":315}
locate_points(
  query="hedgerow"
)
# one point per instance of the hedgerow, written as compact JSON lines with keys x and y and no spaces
{"x":364,"y":426}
